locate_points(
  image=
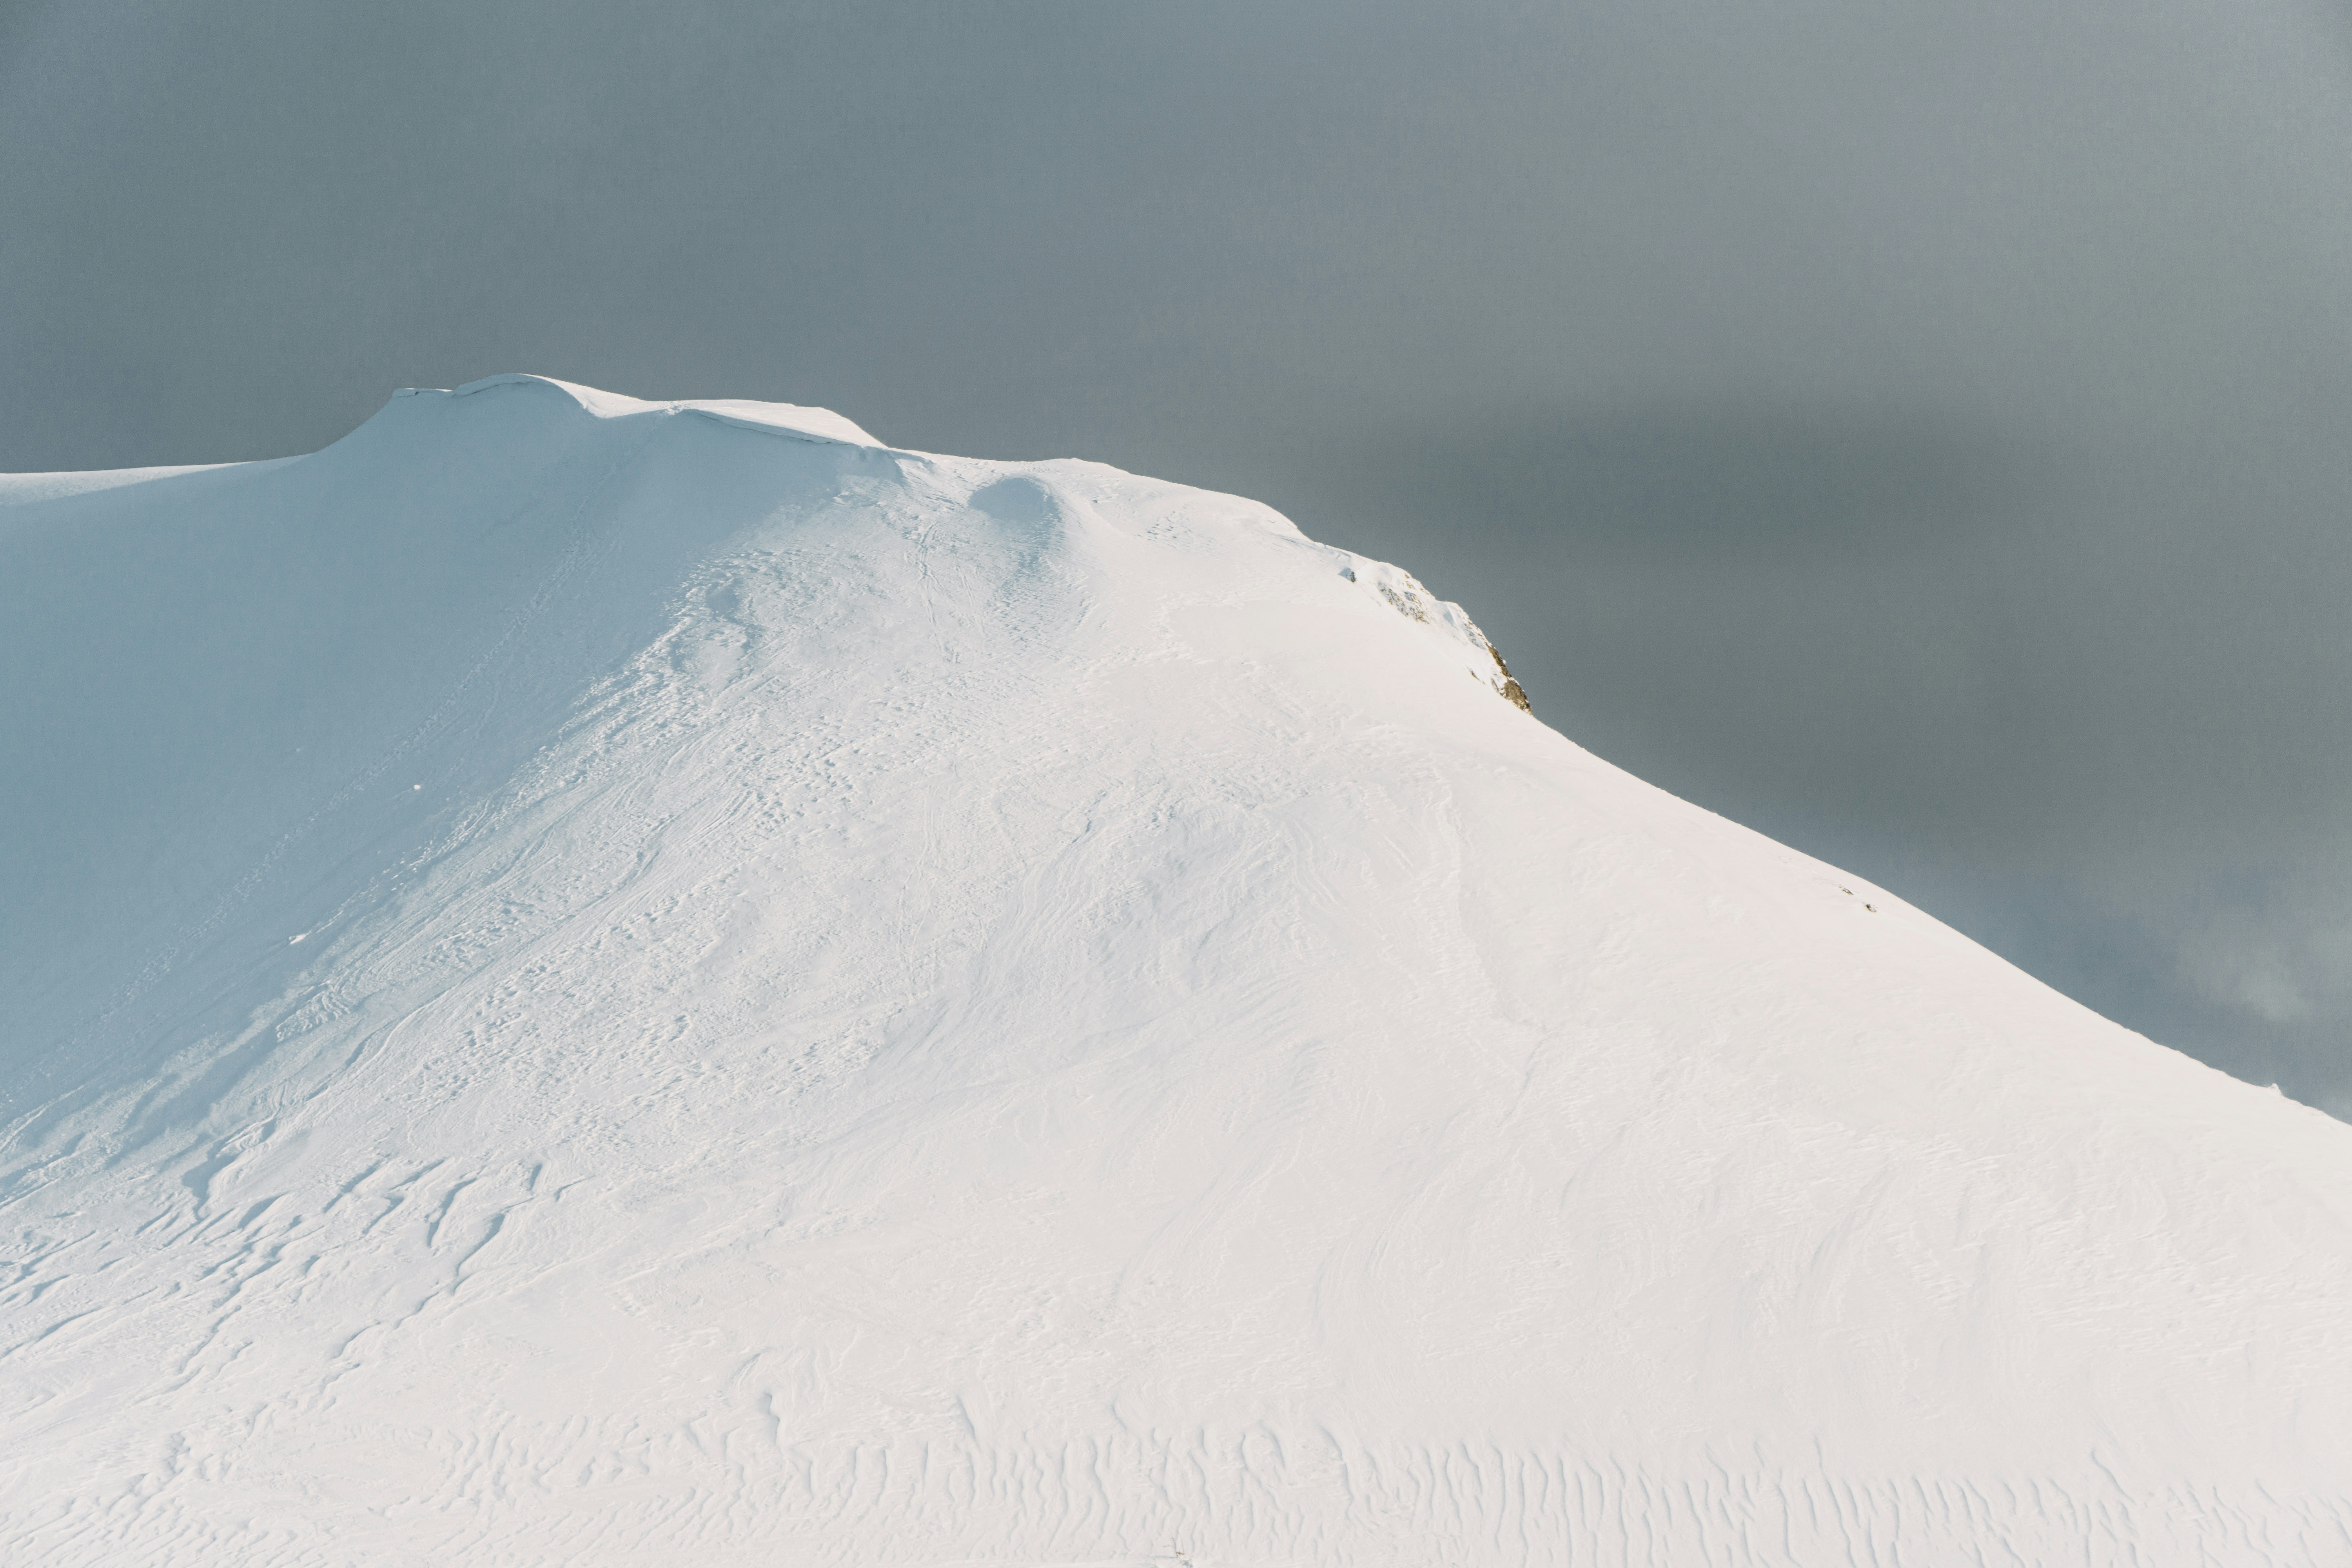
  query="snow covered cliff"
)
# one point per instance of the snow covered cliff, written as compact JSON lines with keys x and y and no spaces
{"x":588,"y":982}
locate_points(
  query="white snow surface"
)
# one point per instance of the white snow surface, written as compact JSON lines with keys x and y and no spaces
{"x":602,"y":982}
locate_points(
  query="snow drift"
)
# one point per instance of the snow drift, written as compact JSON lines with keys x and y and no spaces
{"x":587,"y":982}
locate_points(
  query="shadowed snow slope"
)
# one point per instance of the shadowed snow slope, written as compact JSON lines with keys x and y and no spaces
{"x":592,"y":982}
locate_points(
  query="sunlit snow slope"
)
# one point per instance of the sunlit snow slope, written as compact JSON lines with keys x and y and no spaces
{"x":597,"y":983}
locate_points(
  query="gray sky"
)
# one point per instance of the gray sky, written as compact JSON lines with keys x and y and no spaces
{"x":1915,"y":430}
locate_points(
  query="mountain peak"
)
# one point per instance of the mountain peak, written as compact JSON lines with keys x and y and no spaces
{"x":581,"y":978}
{"x":787,"y":418}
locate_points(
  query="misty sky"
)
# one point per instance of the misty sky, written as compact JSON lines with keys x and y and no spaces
{"x":1917,"y":431}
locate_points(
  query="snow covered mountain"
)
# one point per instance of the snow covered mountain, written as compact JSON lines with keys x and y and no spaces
{"x":595,"y":983}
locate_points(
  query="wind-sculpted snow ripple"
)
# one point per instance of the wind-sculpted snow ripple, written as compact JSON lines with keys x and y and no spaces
{"x":627,"y":1496}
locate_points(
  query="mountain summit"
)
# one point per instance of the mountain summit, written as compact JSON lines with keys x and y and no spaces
{"x":602,"y":982}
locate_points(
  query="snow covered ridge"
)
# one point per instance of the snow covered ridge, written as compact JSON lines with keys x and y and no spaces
{"x":783,"y":418}
{"x":593,"y":981}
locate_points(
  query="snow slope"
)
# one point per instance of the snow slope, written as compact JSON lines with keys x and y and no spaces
{"x":589,"y":982}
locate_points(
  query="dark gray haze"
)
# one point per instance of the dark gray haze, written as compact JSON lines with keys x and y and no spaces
{"x":1915,"y":431}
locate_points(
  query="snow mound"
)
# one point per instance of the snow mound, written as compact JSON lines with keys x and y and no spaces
{"x":586,"y":984}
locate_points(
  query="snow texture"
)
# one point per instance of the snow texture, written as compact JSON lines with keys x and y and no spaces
{"x":600,"y":982}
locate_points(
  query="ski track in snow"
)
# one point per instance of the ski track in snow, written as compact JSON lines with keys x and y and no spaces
{"x":590,"y":982}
